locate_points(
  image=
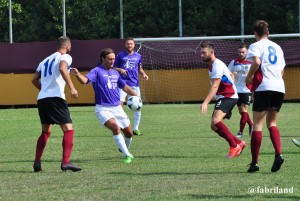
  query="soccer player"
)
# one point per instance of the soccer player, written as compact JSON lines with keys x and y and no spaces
{"x":224,"y":91}
{"x":296,"y":142}
{"x":50,"y":78}
{"x":129,"y":64}
{"x":106,"y":83}
{"x":265,"y":75}
{"x":239,"y":67}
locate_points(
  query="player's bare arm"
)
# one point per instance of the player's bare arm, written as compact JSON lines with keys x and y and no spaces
{"x":142,"y":72}
{"x":121,"y":70}
{"x":36,"y":80}
{"x":253,"y":69}
{"x":81,"y":78}
{"x":212,"y":91}
{"x":128,"y":90}
{"x":63,"y":68}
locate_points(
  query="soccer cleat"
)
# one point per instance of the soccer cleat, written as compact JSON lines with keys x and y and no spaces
{"x":37,"y":166}
{"x":69,"y":166}
{"x":296,"y":142}
{"x":242,"y":145}
{"x":250,"y":130}
{"x":277,"y":163}
{"x":234,"y":151}
{"x":239,"y":135}
{"x":128,"y":159}
{"x":137,"y":132}
{"x":253,"y":168}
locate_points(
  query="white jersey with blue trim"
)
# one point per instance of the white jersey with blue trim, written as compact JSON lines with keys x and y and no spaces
{"x":227,"y":89}
{"x":52,"y":82}
{"x":268,"y":76}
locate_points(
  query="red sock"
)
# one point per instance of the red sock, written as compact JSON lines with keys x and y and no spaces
{"x":237,"y":140}
{"x":40,"y":145}
{"x":243,"y":121}
{"x":275,"y":138}
{"x":250,"y":123}
{"x":67,"y":145}
{"x":225,"y":133}
{"x":256,"y":139}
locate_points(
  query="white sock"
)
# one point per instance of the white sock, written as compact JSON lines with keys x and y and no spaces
{"x":137,"y":120}
{"x":127,"y":141}
{"x":121,"y":144}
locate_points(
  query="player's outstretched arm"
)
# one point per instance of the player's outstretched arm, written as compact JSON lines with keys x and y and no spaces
{"x":81,"y":78}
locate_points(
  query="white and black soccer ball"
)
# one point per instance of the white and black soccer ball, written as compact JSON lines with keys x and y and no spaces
{"x":134,"y":103}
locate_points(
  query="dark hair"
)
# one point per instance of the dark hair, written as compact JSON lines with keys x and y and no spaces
{"x":207,"y":44}
{"x":243,"y":46}
{"x":105,"y":52}
{"x":261,"y":27}
{"x":63,"y":41}
{"x":128,"y":38}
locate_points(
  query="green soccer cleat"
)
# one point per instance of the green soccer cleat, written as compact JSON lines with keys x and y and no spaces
{"x":128,"y":159}
{"x":137,"y":132}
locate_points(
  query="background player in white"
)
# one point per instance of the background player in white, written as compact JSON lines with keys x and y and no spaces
{"x":267,"y":83}
{"x":50,"y":78}
{"x":224,"y":91}
{"x":129,"y":64}
{"x":240,"y":67}
{"x":106,"y":83}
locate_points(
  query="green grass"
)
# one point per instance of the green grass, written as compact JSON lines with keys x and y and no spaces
{"x":177,"y":158}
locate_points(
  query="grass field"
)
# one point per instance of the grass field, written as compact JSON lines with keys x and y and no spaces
{"x":177,"y":158}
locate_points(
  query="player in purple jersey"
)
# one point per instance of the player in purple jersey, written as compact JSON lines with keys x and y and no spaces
{"x":129,"y":64}
{"x":50,"y":78}
{"x":240,"y":67}
{"x":106,"y":83}
{"x":224,"y":91}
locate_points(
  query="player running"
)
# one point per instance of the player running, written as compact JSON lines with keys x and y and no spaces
{"x":106,"y":83}
{"x":240,"y":67}
{"x":224,"y":91}
{"x":129,"y":64}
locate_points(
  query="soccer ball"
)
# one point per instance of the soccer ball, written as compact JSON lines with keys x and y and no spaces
{"x":134,"y":103}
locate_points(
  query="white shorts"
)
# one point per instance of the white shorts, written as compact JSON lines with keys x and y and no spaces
{"x":123,"y":94}
{"x":104,"y":113}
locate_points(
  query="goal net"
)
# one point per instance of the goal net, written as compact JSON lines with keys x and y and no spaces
{"x":177,"y":74}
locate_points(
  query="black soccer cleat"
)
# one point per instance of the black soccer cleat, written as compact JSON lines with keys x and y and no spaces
{"x":253,"y":168}
{"x":37,"y":166}
{"x":69,"y":166}
{"x":277,"y":163}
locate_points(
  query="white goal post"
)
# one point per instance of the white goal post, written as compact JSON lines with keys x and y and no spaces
{"x":177,"y":74}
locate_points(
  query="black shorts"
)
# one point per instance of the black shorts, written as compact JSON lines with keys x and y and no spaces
{"x":54,"y":110}
{"x":267,"y":101}
{"x":244,"y":98}
{"x":226,"y":105}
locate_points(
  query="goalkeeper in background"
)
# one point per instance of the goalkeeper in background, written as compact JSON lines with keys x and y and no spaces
{"x":129,"y":64}
{"x":224,"y":91}
{"x":240,"y":67}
